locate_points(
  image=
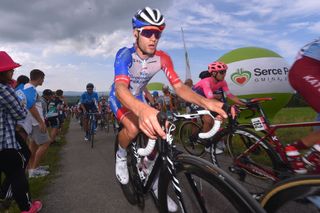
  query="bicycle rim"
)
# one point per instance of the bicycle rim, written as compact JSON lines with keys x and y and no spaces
{"x":188,"y":135}
{"x":293,"y":195}
{"x":205,"y":188}
{"x":263,"y":157}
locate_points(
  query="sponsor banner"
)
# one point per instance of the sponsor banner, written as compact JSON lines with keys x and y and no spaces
{"x":258,"y":75}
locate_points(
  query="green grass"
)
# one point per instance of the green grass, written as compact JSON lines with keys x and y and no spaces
{"x":52,"y":158}
{"x":293,"y":115}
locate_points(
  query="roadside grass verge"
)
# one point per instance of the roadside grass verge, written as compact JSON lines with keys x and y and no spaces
{"x":293,"y":115}
{"x":37,"y":186}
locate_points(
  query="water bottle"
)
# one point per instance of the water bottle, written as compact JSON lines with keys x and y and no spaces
{"x":295,"y":160}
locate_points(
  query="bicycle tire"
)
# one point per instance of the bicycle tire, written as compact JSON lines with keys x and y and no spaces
{"x":128,"y":189}
{"x":188,"y":134}
{"x":223,"y":188}
{"x":289,"y":190}
{"x":91,"y":132}
{"x":264,"y":157}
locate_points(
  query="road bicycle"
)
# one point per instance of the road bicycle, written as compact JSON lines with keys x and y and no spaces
{"x":104,"y":122}
{"x":92,"y":124}
{"x":257,"y":159}
{"x":296,"y":194}
{"x":193,"y":183}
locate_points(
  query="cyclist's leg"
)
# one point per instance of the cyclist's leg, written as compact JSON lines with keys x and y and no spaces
{"x":304,"y":77}
{"x":128,"y":132}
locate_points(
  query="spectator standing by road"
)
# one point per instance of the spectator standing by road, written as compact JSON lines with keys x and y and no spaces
{"x":11,"y":161}
{"x":40,"y":140}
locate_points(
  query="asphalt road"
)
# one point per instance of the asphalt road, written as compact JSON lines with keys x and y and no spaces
{"x":86,"y":180}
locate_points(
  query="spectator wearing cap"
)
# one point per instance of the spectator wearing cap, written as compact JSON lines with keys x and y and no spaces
{"x":11,"y":161}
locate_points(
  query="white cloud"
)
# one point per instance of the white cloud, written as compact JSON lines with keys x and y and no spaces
{"x":315,"y":28}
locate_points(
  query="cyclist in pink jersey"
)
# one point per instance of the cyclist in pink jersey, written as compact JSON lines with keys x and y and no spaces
{"x":134,"y":67}
{"x":207,"y":87}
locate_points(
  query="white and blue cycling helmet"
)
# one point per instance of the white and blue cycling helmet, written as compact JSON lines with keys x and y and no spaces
{"x":148,"y":17}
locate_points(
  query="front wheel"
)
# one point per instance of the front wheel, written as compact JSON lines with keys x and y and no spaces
{"x":297,"y":194}
{"x":204,"y":187}
{"x":188,"y":135}
{"x":92,"y":129}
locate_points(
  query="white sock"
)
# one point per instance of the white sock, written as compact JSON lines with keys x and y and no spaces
{"x":121,"y":152}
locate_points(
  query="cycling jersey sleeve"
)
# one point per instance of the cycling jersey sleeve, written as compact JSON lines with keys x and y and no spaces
{"x":167,"y":67}
{"x":226,"y":90}
{"x":122,"y":64}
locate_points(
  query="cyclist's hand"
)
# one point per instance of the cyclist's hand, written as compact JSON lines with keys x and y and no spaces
{"x":216,"y":106}
{"x":148,"y":123}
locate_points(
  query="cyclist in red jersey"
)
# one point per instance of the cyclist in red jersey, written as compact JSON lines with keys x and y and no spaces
{"x":304,"y":77}
{"x":134,"y":67}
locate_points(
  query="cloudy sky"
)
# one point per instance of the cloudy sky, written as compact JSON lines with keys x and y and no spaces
{"x":74,"y":41}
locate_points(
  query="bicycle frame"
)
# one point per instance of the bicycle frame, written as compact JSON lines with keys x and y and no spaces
{"x":271,"y":137}
{"x":163,"y":167}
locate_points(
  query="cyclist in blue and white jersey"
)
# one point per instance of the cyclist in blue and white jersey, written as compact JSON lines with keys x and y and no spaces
{"x":134,"y":68}
{"x":88,"y":103}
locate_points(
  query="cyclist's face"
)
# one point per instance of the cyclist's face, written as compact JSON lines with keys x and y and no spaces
{"x":89,"y":90}
{"x":220,"y":75}
{"x":147,"y":39}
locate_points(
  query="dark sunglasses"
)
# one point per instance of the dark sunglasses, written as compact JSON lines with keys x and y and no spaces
{"x":149,"y":32}
{"x":222,"y":72}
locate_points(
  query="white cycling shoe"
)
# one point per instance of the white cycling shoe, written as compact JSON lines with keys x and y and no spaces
{"x":122,"y":170}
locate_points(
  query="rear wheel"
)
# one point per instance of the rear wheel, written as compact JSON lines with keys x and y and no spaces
{"x":188,"y":135}
{"x":204,"y":188}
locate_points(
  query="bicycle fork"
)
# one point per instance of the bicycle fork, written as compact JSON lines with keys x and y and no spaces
{"x":175,"y":183}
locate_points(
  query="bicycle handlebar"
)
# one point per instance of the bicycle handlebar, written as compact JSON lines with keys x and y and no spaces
{"x":151,"y":142}
{"x":162,"y":118}
{"x":148,"y":149}
{"x":212,"y":131}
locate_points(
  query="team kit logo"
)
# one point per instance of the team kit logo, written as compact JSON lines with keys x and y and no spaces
{"x":241,"y":77}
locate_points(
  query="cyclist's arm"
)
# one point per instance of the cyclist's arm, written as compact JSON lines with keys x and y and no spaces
{"x":147,"y":116}
{"x":232,"y":97}
{"x":188,"y":95}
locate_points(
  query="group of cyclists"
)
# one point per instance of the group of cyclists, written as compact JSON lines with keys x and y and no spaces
{"x":134,"y":67}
